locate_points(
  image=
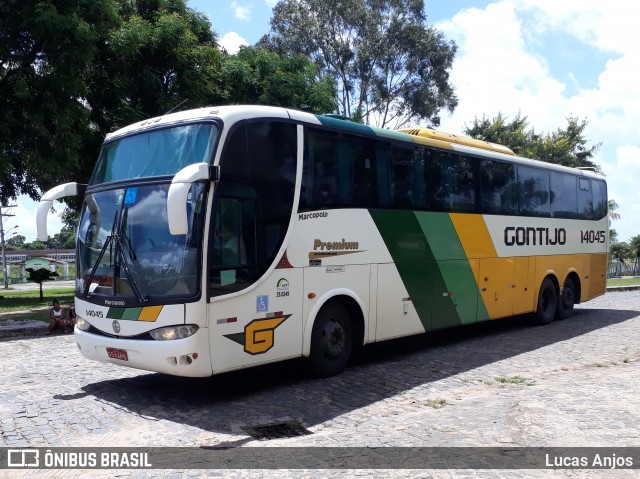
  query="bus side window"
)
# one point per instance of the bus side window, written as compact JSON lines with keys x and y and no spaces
{"x":533,"y":190}
{"x":453,"y":183}
{"x":499,"y":188}
{"x":337,"y":171}
{"x":384,"y":174}
{"x":564,"y":195}
{"x":585,"y":199}
{"x":600,"y":203}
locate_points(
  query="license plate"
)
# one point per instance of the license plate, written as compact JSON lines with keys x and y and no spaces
{"x":120,"y":354}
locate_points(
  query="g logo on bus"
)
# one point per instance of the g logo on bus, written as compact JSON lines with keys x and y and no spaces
{"x":259,"y":335}
{"x":116,"y":326}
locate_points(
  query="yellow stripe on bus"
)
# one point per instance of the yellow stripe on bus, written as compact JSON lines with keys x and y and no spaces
{"x":474,"y":235}
{"x":150,"y":313}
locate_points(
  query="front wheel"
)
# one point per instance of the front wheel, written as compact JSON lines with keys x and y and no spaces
{"x":567,"y":300}
{"x":331,"y":341}
{"x":547,"y":302}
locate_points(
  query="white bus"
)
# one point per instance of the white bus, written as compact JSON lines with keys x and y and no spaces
{"x":222,"y":238}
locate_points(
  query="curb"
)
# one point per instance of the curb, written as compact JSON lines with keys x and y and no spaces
{"x":12,"y":329}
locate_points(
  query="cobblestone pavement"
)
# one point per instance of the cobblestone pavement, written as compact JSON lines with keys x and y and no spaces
{"x":571,"y":383}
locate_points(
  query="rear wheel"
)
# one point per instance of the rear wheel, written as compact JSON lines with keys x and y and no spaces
{"x":331,"y":341}
{"x":547,"y":302}
{"x":567,"y":300}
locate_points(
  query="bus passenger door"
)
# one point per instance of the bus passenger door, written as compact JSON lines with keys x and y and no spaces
{"x":496,"y":283}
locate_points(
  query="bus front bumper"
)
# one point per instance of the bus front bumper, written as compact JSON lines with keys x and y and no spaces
{"x":181,"y":357}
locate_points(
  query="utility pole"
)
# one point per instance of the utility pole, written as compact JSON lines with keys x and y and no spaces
{"x":5,"y":272}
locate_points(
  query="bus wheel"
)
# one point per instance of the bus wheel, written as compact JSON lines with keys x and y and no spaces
{"x":331,"y":341}
{"x":547,"y":301}
{"x":567,"y":300}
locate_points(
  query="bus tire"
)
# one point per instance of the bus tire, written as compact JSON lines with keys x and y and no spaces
{"x":331,"y":341}
{"x":547,"y":302}
{"x":566,"y":300}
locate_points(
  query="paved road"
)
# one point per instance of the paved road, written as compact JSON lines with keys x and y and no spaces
{"x":572,"y":383}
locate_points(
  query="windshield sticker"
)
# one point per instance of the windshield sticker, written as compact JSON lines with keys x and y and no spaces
{"x":130,"y":198}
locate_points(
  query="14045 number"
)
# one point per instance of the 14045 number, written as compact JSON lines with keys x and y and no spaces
{"x":590,"y":236}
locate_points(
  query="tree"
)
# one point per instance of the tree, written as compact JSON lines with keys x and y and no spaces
{"x":619,"y":250}
{"x":65,"y":239}
{"x":634,"y":246}
{"x":47,"y":49}
{"x":613,"y":215}
{"x":390,"y":67}
{"x":566,"y":147}
{"x":36,"y":245}
{"x":39,"y":276}
{"x":259,"y":76}
{"x":72,"y":71}
{"x":16,"y":242}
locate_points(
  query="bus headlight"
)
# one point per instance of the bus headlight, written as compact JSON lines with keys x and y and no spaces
{"x":173,"y":332}
{"x":82,"y":324}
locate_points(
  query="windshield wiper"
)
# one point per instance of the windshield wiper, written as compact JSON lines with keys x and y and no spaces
{"x":95,"y":267}
{"x":127,"y":272}
{"x":114,"y":237}
{"x":123,"y":263}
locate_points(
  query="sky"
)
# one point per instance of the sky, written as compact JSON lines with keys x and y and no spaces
{"x":545,"y":59}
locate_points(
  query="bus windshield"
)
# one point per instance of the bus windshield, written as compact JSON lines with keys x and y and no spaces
{"x":125,"y":250}
{"x":154,"y":153}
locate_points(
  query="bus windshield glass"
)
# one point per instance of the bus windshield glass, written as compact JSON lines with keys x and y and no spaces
{"x":125,"y":250}
{"x":154,"y":153}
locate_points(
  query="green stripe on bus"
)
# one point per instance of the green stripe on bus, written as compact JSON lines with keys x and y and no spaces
{"x":417,"y":267}
{"x":433,"y":266}
{"x":454,"y":265}
{"x":115,"y":313}
{"x":132,"y":314}
{"x":345,"y":125}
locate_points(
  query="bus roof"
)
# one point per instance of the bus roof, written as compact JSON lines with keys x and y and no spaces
{"x":423,"y":136}
{"x":461,"y":140}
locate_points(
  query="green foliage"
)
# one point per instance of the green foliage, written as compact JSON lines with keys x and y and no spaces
{"x":390,"y":67}
{"x":36,"y":245}
{"x":72,"y":71}
{"x":634,"y":246}
{"x":259,"y":76}
{"x":65,"y":239}
{"x":566,"y":147}
{"x":47,"y":49}
{"x":613,"y":215}
{"x":16,"y":242}
{"x":620,"y":250}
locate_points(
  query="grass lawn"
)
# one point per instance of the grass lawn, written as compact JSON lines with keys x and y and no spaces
{"x":29,"y":300}
{"x":623,"y":281}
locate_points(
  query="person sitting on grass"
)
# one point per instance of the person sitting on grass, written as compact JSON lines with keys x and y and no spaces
{"x":58,"y":317}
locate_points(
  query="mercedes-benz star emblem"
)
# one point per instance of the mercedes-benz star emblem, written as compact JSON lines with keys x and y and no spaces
{"x":116,"y":326}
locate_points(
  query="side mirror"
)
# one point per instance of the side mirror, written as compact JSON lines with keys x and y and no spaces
{"x":179,"y":192}
{"x":46,"y":202}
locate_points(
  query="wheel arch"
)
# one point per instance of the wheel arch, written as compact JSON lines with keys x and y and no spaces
{"x":576,"y":282}
{"x":355,"y":307}
{"x":554,"y":279}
